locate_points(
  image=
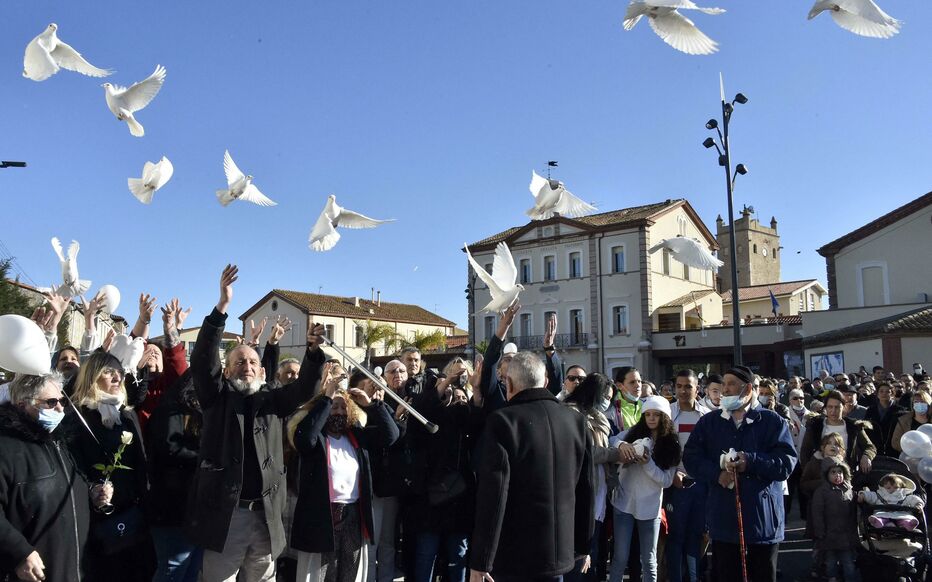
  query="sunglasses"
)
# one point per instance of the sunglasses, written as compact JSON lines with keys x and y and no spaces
{"x":575,"y":378}
{"x":51,"y":402}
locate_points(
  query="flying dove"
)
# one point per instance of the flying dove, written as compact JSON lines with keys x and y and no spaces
{"x":502,"y":281}
{"x":154,"y":176}
{"x":46,"y":54}
{"x":553,"y":198}
{"x":690,"y":252}
{"x":124,"y":102}
{"x":672,"y":27}
{"x":862,"y":17}
{"x":324,"y":234}
{"x":241,"y":187}
{"x":71,"y":286}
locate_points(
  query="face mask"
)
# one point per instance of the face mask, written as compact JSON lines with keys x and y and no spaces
{"x":798,"y":408}
{"x":50,"y":419}
{"x":336,"y":423}
{"x":920,"y":407}
{"x":344,"y":384}
{"x":828,"y":386}
{"x":764,"y":400}
{"x":732,"y":402}
{"x":602,"y":403}
{"x":629,"y":397}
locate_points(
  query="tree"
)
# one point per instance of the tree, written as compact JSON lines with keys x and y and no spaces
{"x":424,"y":342}
{"x":11,"y":299}
{"x":373,"y":333}
{"x":482,"y":346}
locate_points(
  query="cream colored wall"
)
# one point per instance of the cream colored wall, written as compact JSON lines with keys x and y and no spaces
{"x":294,"y":341}
{"x":752,"y":335}
{"x":867,"y":353}
{"x":901,"y":247}
{"x":916,"y":349}
{"x":819,"y":321}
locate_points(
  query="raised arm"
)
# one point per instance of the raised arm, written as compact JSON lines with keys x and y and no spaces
{"x":147,"y":305}
{"x":173,"y":318}
{"x":552,"y":361}
{"x":205,"y":358}
{"x":271,"y":352}
{"x":91,"y":340}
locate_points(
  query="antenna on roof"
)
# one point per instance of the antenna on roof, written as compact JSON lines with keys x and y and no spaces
{"x":550,"y":164}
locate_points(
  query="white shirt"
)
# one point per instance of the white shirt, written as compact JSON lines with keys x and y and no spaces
{"x":640,"y":487}
{"x":344,"y":470}
{"x":841,"y":429}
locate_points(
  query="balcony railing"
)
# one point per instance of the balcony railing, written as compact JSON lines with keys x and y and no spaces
{"x":560,"y":341}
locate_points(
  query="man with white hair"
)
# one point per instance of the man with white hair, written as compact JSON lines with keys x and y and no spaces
{"x":235,"y":512}
{"x":534,"y":454}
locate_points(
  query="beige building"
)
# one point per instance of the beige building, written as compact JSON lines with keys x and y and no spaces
{"x":757,"y":250}
{"x":595,"y":273}
{"x":879,"y":295}
{"x":343,"y":318}
{"x":793,"y":298}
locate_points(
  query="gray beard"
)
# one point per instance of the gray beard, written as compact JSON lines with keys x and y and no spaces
{"x":246,"y":388}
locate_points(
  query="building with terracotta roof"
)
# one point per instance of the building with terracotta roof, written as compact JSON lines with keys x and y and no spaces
{"x":344,"y":318}
{"x":793,"y":298}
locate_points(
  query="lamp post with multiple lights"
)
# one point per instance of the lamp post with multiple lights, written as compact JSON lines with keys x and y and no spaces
{"x":724,"y":160}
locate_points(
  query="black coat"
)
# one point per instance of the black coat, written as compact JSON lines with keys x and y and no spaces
{"x":859,"y":442}
{"x":312,"y":528}
{"x":43,"y":499}
{"x":219,"y":478}
{"x":881,"y":431}
{"x":534,"y":502}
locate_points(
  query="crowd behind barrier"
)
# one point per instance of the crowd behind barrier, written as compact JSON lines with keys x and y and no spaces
{"x":125,"y":464}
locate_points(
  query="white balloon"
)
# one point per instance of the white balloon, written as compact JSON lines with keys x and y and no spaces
{"x":23,"y":347}
{"x":925,"y":469}
{"x":113,"y":297}
{"x":926,"y":429}
{"x":916,"y":444}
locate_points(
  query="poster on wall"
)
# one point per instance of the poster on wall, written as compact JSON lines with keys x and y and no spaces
{"x":831,"y":362}
{"x":793,"y":361}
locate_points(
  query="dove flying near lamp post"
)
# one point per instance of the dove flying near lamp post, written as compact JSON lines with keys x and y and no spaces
{"x":690,"y":252}
{"x":672,"y":27}
{"x":502,"y":281}
{"x":862,"y":17}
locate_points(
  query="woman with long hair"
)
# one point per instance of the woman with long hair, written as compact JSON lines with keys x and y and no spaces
{"x":590,"y":398}
{"x":333,"y":433}
{"x":654,"y":445}
{"x":103,"y":400}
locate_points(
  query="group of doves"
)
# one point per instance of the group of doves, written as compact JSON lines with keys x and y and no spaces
{"x":862,"y":17}
{"x":46,"y":54}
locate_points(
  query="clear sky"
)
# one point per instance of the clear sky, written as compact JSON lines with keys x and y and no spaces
{"x":434,"y":113}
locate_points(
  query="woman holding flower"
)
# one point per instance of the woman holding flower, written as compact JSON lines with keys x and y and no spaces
{"x":119,"y":546}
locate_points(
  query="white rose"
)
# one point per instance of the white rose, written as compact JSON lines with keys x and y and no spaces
{"x":126,"y":438}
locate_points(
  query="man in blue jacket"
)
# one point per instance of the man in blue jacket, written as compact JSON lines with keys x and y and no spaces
{"x":765,"y":458}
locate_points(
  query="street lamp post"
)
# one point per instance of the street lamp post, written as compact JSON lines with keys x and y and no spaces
{"x":724,"y":160}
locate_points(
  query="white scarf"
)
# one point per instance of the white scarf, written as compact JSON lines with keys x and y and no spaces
{"x":108,"y":405}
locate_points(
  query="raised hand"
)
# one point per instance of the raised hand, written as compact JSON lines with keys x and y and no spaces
{"x":282,"y":324}
{"x":330,"y":387}
{"x":108,"y":341}
{"x":256,"y":330}
{"x":507,"y":318}
{"x":91,"y":308}
{"x":476,"y":377}
{"x":550,"y":333}
{"x":227,"y":278}
{"x":315,"y":336}
{"x":360,"y":397}
{"x":147,"y":305}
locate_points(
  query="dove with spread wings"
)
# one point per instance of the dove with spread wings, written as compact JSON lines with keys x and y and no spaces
{"x":123,"y":102}
{"x":71,"y":285}
{"x":690,"y":252}
{"x":240,"y":186}
{"x":324,"y":234}
{"x":154,"y":176}
{"x":551,"y":197}
{"x":502,"y":281}
{"x":46,"y":54}
{"x":672,"y":27}
{"x":862,"y":17}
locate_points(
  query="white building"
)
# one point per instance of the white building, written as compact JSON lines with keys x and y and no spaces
{"x":595,"y":273}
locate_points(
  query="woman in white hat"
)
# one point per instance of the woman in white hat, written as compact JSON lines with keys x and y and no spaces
{"x":650,"y":453}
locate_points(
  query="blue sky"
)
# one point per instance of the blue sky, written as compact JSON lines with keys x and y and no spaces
{"x":434,"y":113}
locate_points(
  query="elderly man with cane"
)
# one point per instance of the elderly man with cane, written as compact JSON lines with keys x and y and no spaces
{"x":743,"y":454}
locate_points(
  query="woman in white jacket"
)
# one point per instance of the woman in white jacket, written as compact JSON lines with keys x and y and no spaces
{"x":651,"y":453}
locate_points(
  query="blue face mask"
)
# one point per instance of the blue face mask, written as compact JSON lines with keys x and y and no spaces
{"x":50,"y":419}
{"x":764,"y":400}
{"x":920,"y":407}
{"x":828,"y":386}
{"x":629,"y":397}
{"x":732,"y":402}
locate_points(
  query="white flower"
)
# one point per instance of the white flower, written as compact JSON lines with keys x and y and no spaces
{"x":126,"y":438}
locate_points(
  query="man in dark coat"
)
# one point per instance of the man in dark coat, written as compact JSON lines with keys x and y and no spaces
{"x":883,"y":415}
{"x":534,"y":499}
{"x":43,"y":497}
{"x":235,"y":509}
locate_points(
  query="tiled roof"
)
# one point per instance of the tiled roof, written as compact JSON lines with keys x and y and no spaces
{"x":875,"y":225}
{"x":915,"y":321}
{"x":316,"y":304}
{"x":603,"y":219}
{"x":227,"y":335}
{"x":688,"y":298}
{"x":763,"y":291}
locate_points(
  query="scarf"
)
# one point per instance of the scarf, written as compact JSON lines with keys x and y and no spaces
{"x":597,"y":424}
{"x":108,"y":405}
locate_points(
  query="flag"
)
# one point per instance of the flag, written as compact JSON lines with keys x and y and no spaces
{"x":774,"y":304}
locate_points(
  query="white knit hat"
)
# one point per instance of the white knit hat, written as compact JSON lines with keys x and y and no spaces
{"x":657,"y":403}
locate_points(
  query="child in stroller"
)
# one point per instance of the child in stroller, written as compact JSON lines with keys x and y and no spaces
{"x":892,"y":489}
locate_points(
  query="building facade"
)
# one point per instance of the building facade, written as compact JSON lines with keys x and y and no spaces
{"x":793,"y":298}
{"x":757,"y":254}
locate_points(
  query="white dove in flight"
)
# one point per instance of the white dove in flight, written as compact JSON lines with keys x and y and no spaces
{"x":46,"y":54}
{"x":124,"y":102}
{"x":672,"y":27}
{"x":154,"y":176}
{"x":862,"y":17}
{"x":502,"y":281}
{"x":690,"y":252}
{"x":240,"y":186}
{"x":71,"y":286}
{"x":324,"y":235}
{"x":553,"y":198}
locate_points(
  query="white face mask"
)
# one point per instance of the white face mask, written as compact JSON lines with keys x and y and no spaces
{"x":764,"y":400}
{"x":344,"y":384}
{"x":732,"y":402}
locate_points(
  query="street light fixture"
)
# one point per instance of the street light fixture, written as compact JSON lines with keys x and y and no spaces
{"x":724,"y":160}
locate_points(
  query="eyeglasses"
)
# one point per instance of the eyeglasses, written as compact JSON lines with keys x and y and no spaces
{"x":575,"y":378}
{"x":51,"y":402}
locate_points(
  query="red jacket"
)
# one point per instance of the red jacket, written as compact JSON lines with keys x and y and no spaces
{"x":174,"y":365}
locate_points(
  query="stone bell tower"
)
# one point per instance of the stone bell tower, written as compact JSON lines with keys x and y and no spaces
{"x":758,"y":251}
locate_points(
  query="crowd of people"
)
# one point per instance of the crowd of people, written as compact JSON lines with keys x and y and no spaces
{"x":124,"y":463}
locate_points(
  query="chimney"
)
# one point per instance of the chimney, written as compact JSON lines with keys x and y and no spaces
{"x":355,"y":301}
{"x":372,"y":294}
{"x":378,"y":298}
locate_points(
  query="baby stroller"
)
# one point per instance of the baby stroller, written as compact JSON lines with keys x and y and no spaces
{"x":893,"y":554}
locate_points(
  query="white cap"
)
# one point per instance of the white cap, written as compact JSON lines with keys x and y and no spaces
{"x":657,"y":403}
{"x":509,"y":349}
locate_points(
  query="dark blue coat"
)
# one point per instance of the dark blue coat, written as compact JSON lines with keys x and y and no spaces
{"x":765,"y":437}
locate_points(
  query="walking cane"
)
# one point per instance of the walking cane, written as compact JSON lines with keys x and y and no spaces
{"x":741,"y":547}
{"x":431,"y":427}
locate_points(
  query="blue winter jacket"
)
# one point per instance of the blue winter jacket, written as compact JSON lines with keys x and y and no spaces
{"x":765,"y":437}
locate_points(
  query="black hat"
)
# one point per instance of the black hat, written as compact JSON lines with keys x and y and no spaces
{"x":743,"y":373}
